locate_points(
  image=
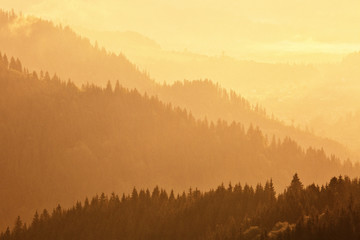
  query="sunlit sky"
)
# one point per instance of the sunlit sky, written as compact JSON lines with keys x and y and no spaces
{"x":240,"y":28}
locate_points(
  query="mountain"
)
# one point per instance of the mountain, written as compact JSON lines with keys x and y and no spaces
{"x":41,"y":45}
{"x":57,"y":49}
{"x":226,"y":213}
{"x":60,"y":143}
{"x":257,"y":80}
{"x":125,"y":42}
{"x":285,"y":89}
{"x":214,"y":102}
{"x":347,"y":129}
{"x":336,"y":99}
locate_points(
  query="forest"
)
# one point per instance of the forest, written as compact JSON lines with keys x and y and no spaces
{"x":77,"y":142}
{"x":153,"y":142}
{"x":60,"y":50}
{"x":231,"y":212}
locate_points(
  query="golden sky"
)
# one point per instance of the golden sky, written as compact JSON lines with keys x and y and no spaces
{"x":241,"y":28}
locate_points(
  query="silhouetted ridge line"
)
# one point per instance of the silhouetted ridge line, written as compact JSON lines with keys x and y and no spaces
{"x":60,"y":143}
{"x":233,"y":212}
{"x":42,"y":45}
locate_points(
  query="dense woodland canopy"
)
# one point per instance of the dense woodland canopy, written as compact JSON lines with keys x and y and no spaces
{"x":233,"y":212}
{"x":110,"y":128}
{"x":43,"y":46}
{"x":206,"y":99}
{"x":61,"y":143}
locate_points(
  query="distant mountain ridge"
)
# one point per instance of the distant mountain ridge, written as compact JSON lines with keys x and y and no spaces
{"x":60,"y":143}
{"x":41,"y":45}
{"x":57,"y":49}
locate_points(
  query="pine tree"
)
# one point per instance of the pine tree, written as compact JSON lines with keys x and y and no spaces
{"x":18,"y":228}
{"x":108,"y":88}
{"x":36,"y":219}
{"x":134,"y":194}
{"x":296,"y":185}
{"x":6,"y":61}
{"x":117,"y":88}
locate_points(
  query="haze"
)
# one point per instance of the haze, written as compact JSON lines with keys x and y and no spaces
{"x":114,"y":98}
{"x":261,"y":30}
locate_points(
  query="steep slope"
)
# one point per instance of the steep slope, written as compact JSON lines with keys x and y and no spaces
{"x":59,"y":144}
{"x":336,"y":98}
{"x":205,"y":99}
{"x":41,"y":45}
{"x":250,"y":77}
{"x":347,"y":129}
{"x":286,"y":89}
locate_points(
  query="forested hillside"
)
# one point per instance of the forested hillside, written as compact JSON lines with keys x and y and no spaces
{"x":247,"y":76}
{"x":61,"y":143}
{"x":43,"y":46}
{"x":209,"y":100}
{"x":230,"y":212}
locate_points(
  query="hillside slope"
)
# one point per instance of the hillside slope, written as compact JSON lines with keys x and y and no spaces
{"x":60,"y":143}
{"x":41,"y":45}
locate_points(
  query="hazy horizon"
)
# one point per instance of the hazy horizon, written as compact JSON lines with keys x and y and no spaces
{"x":162,"y":101}
{"x":276,"y":31}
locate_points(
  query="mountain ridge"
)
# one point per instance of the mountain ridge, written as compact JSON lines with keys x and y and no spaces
{"x":75,"y":142}
{"x":60,"y":50}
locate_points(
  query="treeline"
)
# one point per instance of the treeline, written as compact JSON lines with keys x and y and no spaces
{"x":60,"y":143}
{"x":42,"y":45}
{"x":206,"y":99}
{"x":230,"y":212}
{"x":339,"y":217}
